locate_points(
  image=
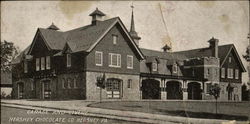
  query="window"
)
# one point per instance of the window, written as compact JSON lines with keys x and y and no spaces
{"x":63,"y":84}
{"x":129,"y":61}
{"x":42,"y":63}
{"x":230,"y":59}
{"x":37,"y":64}
{"x":230,"y":73}
{"x":114,"y":37}
{"x":32,"y":85}
{"x":175,"y":69}
{"x":114,"y":60}
{"x":47,"y":62}
{"x":208,"y":87}
{"x":223,"y":73}
{"x":98,"y":58}
{"x":75,"y":85}
{"x":68,"y":60}
{"x":236,"y":74}
{"x":154,"y":66}
{"x":129,"y":83}
{"x":25,"y":67}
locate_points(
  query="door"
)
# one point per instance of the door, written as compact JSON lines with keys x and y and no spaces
{"x":150,"y":89}
{"x":46,"y":89}
{"x":113,"y":87}
{"x":174,"y":90}
{"x":20,"y":90}
{"x":194,"y":91}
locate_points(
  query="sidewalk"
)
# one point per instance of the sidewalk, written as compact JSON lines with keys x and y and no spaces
{"x":81,"y":105}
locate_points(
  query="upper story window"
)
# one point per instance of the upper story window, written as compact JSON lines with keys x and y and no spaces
{"x":230,"y":73}
{"x":114,"y":37}
{"x":25,"y":64}
{"x":47,"y":62}
{"x":37,"y":64}
{"x":154,"y":66}
{"x":129,"y":83}
{"x":98,"y":58}
{"x":223,"y":73}
{"x":129,"y":61}
{"x":68,"y":60}
{"x":229,"y":59}
{"x":114,"y":60}
{"x":175,"y":68}
{"x":42,"y":63}
{"x":236,"y":74}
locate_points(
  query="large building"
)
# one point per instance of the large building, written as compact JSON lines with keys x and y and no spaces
{"x":67,"y":65}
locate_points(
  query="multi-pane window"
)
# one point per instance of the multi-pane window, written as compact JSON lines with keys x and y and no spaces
{"x":236,"y":74}
{"x":129,"y":83}
{"x":68,"y":60}
{"x":37,"y":64}
{"x":175,"y":69}
{"x":98,"y":58}
{"x":129,"y":61}
{"x":25,"y":67}
{"x":47,"y":62}
{"x":114,"y":37}
{"x":230,"y":73}
{"x":154,"y":66}
{"x":223,"y":73}
{"x":114,"y":60}
{"x":42,"y":63}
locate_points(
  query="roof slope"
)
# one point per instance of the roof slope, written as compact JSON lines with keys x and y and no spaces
{"x":20,"y":57}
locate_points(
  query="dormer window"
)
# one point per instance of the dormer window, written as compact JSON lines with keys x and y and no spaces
{"x":175,"y":68}
{"x":154,"y":66}
{"x":114,"y":37}
{"x":68,"y":60}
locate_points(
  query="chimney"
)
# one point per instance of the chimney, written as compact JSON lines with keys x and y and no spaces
{"x":132,"y":31}
{"x":213,"y":45}
{"x":96,"y":16}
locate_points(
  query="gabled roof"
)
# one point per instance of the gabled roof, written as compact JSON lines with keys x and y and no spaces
{"x":223,"y":52}
{"x":97,"y":12}
{"x":20,"y":57}
{"x":83,"y":38}
{"x":53,"y":27}
{"x":163,"y":55}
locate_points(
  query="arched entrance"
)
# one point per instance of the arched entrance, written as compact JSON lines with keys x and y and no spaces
{"x":194,"y":91}
{"x":20,"y":90}
{"x":114,"y":88}
{"x":46,"y":89}
{"x":150,"y":89}
{"x":174,"y":90}
{"x":230,"y":90}
{"x":244,"y":93}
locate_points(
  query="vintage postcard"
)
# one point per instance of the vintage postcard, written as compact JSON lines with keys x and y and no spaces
{"x":162,"y":62}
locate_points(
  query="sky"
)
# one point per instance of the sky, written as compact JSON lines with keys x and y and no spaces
{"x":181,"y":24}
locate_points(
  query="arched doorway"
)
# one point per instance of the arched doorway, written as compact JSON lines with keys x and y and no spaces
{"x":150,"y":89}
{"x":174,"y":90}
{"x":230,"y":90}
{"x":194,"y":91}
{"x":46,"y":89}
{"x":244,"y":93}
{"x":20,"y":90}
{"x":114,"y":88}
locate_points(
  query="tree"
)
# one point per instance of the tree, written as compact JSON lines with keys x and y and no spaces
{"x":100,"y":82}
{"x":215,"y":91}
{"x":8,"y":52}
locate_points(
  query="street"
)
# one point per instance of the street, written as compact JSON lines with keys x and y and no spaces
{"x":11,"y":115}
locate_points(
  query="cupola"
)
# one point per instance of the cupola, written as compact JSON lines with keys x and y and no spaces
{"x":97,"y":15}
{"x":53,"y":27}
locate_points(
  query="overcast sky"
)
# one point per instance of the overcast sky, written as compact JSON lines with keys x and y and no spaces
{"x":183,"y":25}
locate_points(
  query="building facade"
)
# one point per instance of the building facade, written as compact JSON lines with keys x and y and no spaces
{"x":66,"y":65}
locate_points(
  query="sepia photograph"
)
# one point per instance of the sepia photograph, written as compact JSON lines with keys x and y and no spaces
{"x":125,"y":62}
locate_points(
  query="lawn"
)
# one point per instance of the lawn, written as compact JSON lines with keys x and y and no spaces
{"x":196,"y":109}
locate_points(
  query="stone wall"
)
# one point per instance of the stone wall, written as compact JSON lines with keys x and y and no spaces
{"x":93,"y":92}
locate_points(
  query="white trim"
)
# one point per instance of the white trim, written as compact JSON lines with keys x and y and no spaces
{"x":202,"y":66}
{"x":236,"y":73}
{"x":118,"y":61}
{"x":99,"y":39}
{"x":230,"y":73}
{"x":132,"y":62}
{"x":98,"y":64}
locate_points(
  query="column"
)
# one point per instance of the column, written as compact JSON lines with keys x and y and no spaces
{"x":184,"y":90}
{"x":140,"y":88}
{"x":163,"y":90}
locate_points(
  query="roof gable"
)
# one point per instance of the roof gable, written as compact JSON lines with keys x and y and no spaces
{"x":233,"y":49}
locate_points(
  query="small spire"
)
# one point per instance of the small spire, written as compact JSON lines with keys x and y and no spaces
{"x":53,"y":27}
{"x":132,"y":32}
